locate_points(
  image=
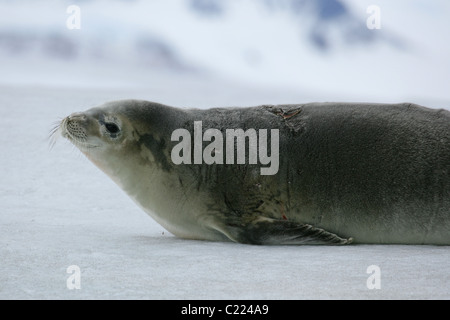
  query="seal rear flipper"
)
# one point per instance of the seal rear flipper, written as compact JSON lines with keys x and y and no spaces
{"x":265,"y":231}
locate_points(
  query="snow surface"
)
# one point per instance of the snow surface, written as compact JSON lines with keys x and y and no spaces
{"x":58,"y":210}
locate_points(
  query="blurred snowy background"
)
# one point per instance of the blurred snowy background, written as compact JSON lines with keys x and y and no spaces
{"x":306,"y":49}
{"x":57,"y":209}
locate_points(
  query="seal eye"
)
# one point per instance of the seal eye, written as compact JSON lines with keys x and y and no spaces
{"x":111,"y":127}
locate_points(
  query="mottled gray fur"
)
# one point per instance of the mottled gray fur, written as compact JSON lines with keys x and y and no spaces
{"x":367,"y":173}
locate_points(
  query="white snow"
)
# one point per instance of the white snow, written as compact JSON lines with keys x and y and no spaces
{"x":57,"y":209}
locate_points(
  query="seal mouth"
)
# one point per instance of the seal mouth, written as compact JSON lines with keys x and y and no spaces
{"x":72,"y":131}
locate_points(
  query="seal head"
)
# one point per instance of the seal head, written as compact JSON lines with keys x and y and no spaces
{"x":127,"y":140}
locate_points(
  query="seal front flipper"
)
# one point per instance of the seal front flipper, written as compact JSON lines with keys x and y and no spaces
{"x":266,"y":231}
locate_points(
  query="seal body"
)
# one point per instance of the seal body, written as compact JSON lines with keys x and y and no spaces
{"x":367,"y":173}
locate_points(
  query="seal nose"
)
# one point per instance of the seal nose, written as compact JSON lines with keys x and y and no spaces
{"x":77,"y":116}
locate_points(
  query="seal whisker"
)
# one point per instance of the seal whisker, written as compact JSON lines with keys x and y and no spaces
{"x":54,"y":134}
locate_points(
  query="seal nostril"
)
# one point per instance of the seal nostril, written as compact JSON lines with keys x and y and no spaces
{"x":77,"y":116}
